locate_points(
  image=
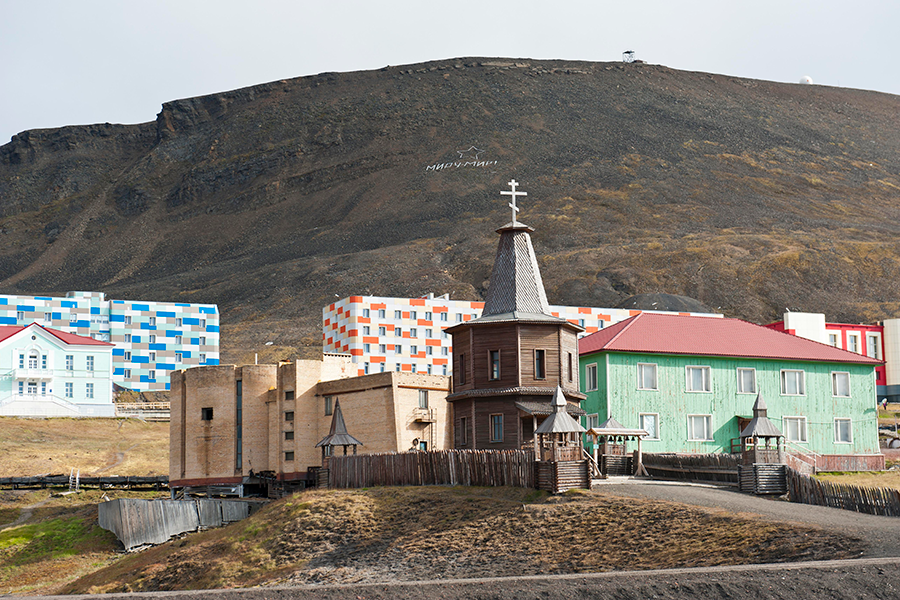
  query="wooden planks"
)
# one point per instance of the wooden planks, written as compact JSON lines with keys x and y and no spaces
{"x":491,"y":468}
{"x":701,"y":467}
{"x":873,"y":501}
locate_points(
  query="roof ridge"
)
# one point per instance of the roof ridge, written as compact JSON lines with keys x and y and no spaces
{"x":628,"y":323}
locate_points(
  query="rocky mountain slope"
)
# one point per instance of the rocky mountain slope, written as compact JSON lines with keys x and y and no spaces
{"x":274,"y":200}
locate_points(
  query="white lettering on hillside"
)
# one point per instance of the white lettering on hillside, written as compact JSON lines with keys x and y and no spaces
{"x":461,"y":165}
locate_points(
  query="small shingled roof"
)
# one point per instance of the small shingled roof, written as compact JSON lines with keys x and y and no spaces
{"x":559,"y":420}
{"x":338,"y":435}
{"x":652,"y":333}
{"x":760,"y":425}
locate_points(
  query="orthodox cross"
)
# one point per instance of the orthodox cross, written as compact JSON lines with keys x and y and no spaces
{"x":512,"y":184}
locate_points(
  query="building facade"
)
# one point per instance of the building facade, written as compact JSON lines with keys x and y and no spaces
{"x":880,"y":341}
{"x":237,"y":426}
{"x":151,"y":339}
{"x":407,"y":334}
{"x":50,"y":373}
{"x":691,"y":383}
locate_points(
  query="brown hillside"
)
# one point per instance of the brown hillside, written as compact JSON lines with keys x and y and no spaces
{"x":271,"y":201}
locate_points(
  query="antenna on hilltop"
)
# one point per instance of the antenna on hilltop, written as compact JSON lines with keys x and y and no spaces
{"x":628,"y":56}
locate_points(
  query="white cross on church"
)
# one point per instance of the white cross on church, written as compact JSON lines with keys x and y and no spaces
{"x":512,"y":184}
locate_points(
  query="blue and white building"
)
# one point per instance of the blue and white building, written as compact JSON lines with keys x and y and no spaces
{"x":50,"y":373}
{"x":151,"y":339}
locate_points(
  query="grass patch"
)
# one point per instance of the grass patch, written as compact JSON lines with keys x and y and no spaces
{"x":872,"y":479}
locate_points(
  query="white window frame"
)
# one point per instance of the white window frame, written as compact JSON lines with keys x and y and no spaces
{"x":651,"y":437}
{"x":802,"y":380}
{"x":89,"y":363}
{"x":834,"y":338}
{"x":89,"y":391}
{"x":708,"y":426}
{"x":127,"y":373}
{"x":740,"y":385}
{"x":707,"y":379}
{"x":877,"y":338}
{"x":802,"y":429}
{"x":834,"y":384}
{"x":398,"y":314}
{"x":591,"y":383}
{"x":152,"y":321}
{"x":641,"y":367}
{"x":837,"y":437}
{"x":70,"y":389}
{"x":151,"y":374}
{"x":853,"y":340}
{"x":127,"y":319}
{"x":592,"y":420}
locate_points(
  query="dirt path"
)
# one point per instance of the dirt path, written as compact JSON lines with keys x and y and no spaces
{"x":881,"y":534}
{"x":26,"y":513}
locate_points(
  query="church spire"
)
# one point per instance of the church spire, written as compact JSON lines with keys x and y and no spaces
{"x":515,"y":285}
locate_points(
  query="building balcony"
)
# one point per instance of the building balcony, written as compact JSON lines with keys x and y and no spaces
{"x":423,"y":415}
{"x":33,"y":374}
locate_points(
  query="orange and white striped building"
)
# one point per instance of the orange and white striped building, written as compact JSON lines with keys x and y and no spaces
{"x":407,"y":334}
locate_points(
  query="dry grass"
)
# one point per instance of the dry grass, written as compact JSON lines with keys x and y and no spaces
{"x":872,"y":479}
{"x":95,"y":446}
{"x":407,"y":534}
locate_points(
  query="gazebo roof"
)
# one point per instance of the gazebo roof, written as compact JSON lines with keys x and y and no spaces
{"x":559,"y":420}
{"x":338,"y":435}
{"x":611,"y":427}
{"x":760,"y":425}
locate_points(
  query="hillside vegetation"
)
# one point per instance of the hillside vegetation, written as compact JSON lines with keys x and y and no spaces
{"x":272,"y":201}
{"x":410,"y":534}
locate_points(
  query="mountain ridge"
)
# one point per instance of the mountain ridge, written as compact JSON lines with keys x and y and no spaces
{"x":272,"y":200}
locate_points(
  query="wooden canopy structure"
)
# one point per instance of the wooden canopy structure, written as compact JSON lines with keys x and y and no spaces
{"x":558,"y":438}
{"x":771,"y":451}
{"x":337,"y":436}
{"x":610,"y":437}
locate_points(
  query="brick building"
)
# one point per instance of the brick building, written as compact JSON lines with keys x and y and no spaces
{"x":238,"y":428}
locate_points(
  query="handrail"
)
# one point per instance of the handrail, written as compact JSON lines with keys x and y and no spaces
{"x":806,"y":453}
{"x":595,"y":468}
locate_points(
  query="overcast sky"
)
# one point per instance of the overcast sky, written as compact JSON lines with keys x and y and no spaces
{"x":68,"y":62}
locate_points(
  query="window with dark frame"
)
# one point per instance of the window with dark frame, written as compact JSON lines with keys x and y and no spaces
{"x":288,"y":456}
{"x":288,"y":415}
{"x":496,"y":428}
{"x":494,"y":364}
{"x":463,"y":431}
{"x":423,"y":398}
{"x":329,"y":405}
{"x":288,"y":435}
{"x":462,"y":368}
{"x":289,"y":395}
{"x":570,"y":365}
{"x":540,"y":364}
{"x":206,"y":414}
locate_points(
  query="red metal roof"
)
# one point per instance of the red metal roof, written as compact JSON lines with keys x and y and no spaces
{"x":707,"y":336}
{"x":7,"y":331}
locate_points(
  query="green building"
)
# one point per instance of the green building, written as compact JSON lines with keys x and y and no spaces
{"x":691,"y":382}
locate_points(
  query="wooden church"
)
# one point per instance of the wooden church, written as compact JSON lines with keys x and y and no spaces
{"x":508,"y":362}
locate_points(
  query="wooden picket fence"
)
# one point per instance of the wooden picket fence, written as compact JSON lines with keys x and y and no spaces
{"x":492,"y":468}
{"x":721,"y":468}
{"x":874,"y":501}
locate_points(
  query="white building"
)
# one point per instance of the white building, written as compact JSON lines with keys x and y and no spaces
{"x":151,"y":339}
{"x":50,"y":373}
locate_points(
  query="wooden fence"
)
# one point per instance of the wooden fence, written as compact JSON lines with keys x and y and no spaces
{"x":874,"y":501}
{"x":491,"y":468}
{"x":722,"y":468}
